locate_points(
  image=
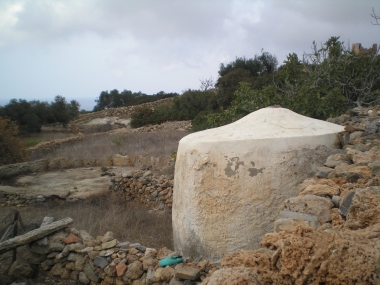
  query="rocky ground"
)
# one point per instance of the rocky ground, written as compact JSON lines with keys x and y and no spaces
{"x":328,"y":234}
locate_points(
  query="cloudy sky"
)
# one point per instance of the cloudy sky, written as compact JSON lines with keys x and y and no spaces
{"x":78,"y":48}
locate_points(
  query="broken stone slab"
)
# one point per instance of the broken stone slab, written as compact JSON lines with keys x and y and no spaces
{"x":100,"y":262}
{"x":290,"y":215}
{"x":290,"y":225}
{"x":231,"y":181}
{"x":312,"y":205}
{"x":336,"y":159}
{"x":346,"y":203}
{"x":186,"y":272}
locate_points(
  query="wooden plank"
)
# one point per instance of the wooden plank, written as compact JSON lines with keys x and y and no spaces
{"x":34,"y":235}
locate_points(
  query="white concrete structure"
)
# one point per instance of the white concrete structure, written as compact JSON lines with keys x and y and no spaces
{"x":230,"y":181}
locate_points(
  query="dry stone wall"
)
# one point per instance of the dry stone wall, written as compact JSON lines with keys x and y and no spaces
{"x":122,"y":111}
{"x":11,"y":170}
{"x":144,"y":187}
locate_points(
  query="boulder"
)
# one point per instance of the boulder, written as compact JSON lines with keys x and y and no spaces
{"x":311,"y":205}
{"x":231,"y":181}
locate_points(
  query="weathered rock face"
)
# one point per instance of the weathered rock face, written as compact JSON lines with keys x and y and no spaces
{"x":231,"y":181}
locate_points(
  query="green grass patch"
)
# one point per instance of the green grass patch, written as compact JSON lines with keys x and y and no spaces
{"x":31,"y":141}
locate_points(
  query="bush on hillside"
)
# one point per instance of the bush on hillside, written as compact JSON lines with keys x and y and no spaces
{"x":11,"y":147}
{"x":31,"y":115}
{"x":184,"y":107}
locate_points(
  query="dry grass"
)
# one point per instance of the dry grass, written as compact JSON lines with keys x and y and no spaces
{"x":129,"y":221}
{"x":104,"y":145}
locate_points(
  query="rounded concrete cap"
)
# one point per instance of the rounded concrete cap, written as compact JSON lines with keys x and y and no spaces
{"x":267,"y":123}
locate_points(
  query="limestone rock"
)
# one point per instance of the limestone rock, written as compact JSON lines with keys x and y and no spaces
{"x":336,"y":159}
{"x":290,"y":225}
{"x":312,"y":205}
{"x":367,"y":157}
{"x":163,"y":252}
{"x":108,"y":237}
{"x":135,"y":270}
{"x":364,"y":171}
{"x":232,"y":276}
{"x":364,"y":210}
{"x":318,"y":186}
{"x":164,"y":274}
{"x":86,"y":237}
{"x":186,"y":272}
{"x":324,"y":257}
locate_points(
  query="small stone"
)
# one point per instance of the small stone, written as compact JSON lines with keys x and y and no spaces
{"x":164,"y":274}
{"x":109,"y":244}
{"x":93,"y":254}
{"x":56,"y":270}
{"x":163,"y":252}
{"x":375,"y":166}
{"x":57,"y":246}
{"x":186,"y":272}
{"x":74,"y":275}
{"x":150,"y":275}
{"x":150,"y":252}
{"x":336,"y":200}
{"x":321,"y":174}
{"x":107,"y":237}
{"x":100,"y":262}
{"x":91,"y":274}
{"x":121,"y":268}
{"x":71,"y":238}
{"x":83,"y":278}
{"x":135,"y":270}
{"x":346,"y":203}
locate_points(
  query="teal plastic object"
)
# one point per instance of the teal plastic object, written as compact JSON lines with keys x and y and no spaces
{"x":170,"y":261}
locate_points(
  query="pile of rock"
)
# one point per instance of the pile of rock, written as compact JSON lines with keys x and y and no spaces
{"x":145,"y":187}
{"x":76,"y":255}
{"x":330,"y":232}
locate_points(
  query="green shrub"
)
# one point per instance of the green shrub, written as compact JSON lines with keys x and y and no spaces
{"x":11,"y":147}
{"x":118,"y":140}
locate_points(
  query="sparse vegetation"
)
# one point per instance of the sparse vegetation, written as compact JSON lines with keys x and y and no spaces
{"x":11,"y":147}
{"x":97,"y":215}
{"x":103,"y":145}
{"x":31,"y":141}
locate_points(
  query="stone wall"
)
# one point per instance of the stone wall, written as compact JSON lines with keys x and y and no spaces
{"x":145,"y":187}
{"x":11,"y":170}
{"x":117,"y":112}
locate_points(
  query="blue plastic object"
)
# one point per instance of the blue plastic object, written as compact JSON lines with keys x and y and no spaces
{"x":170,"y":261}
